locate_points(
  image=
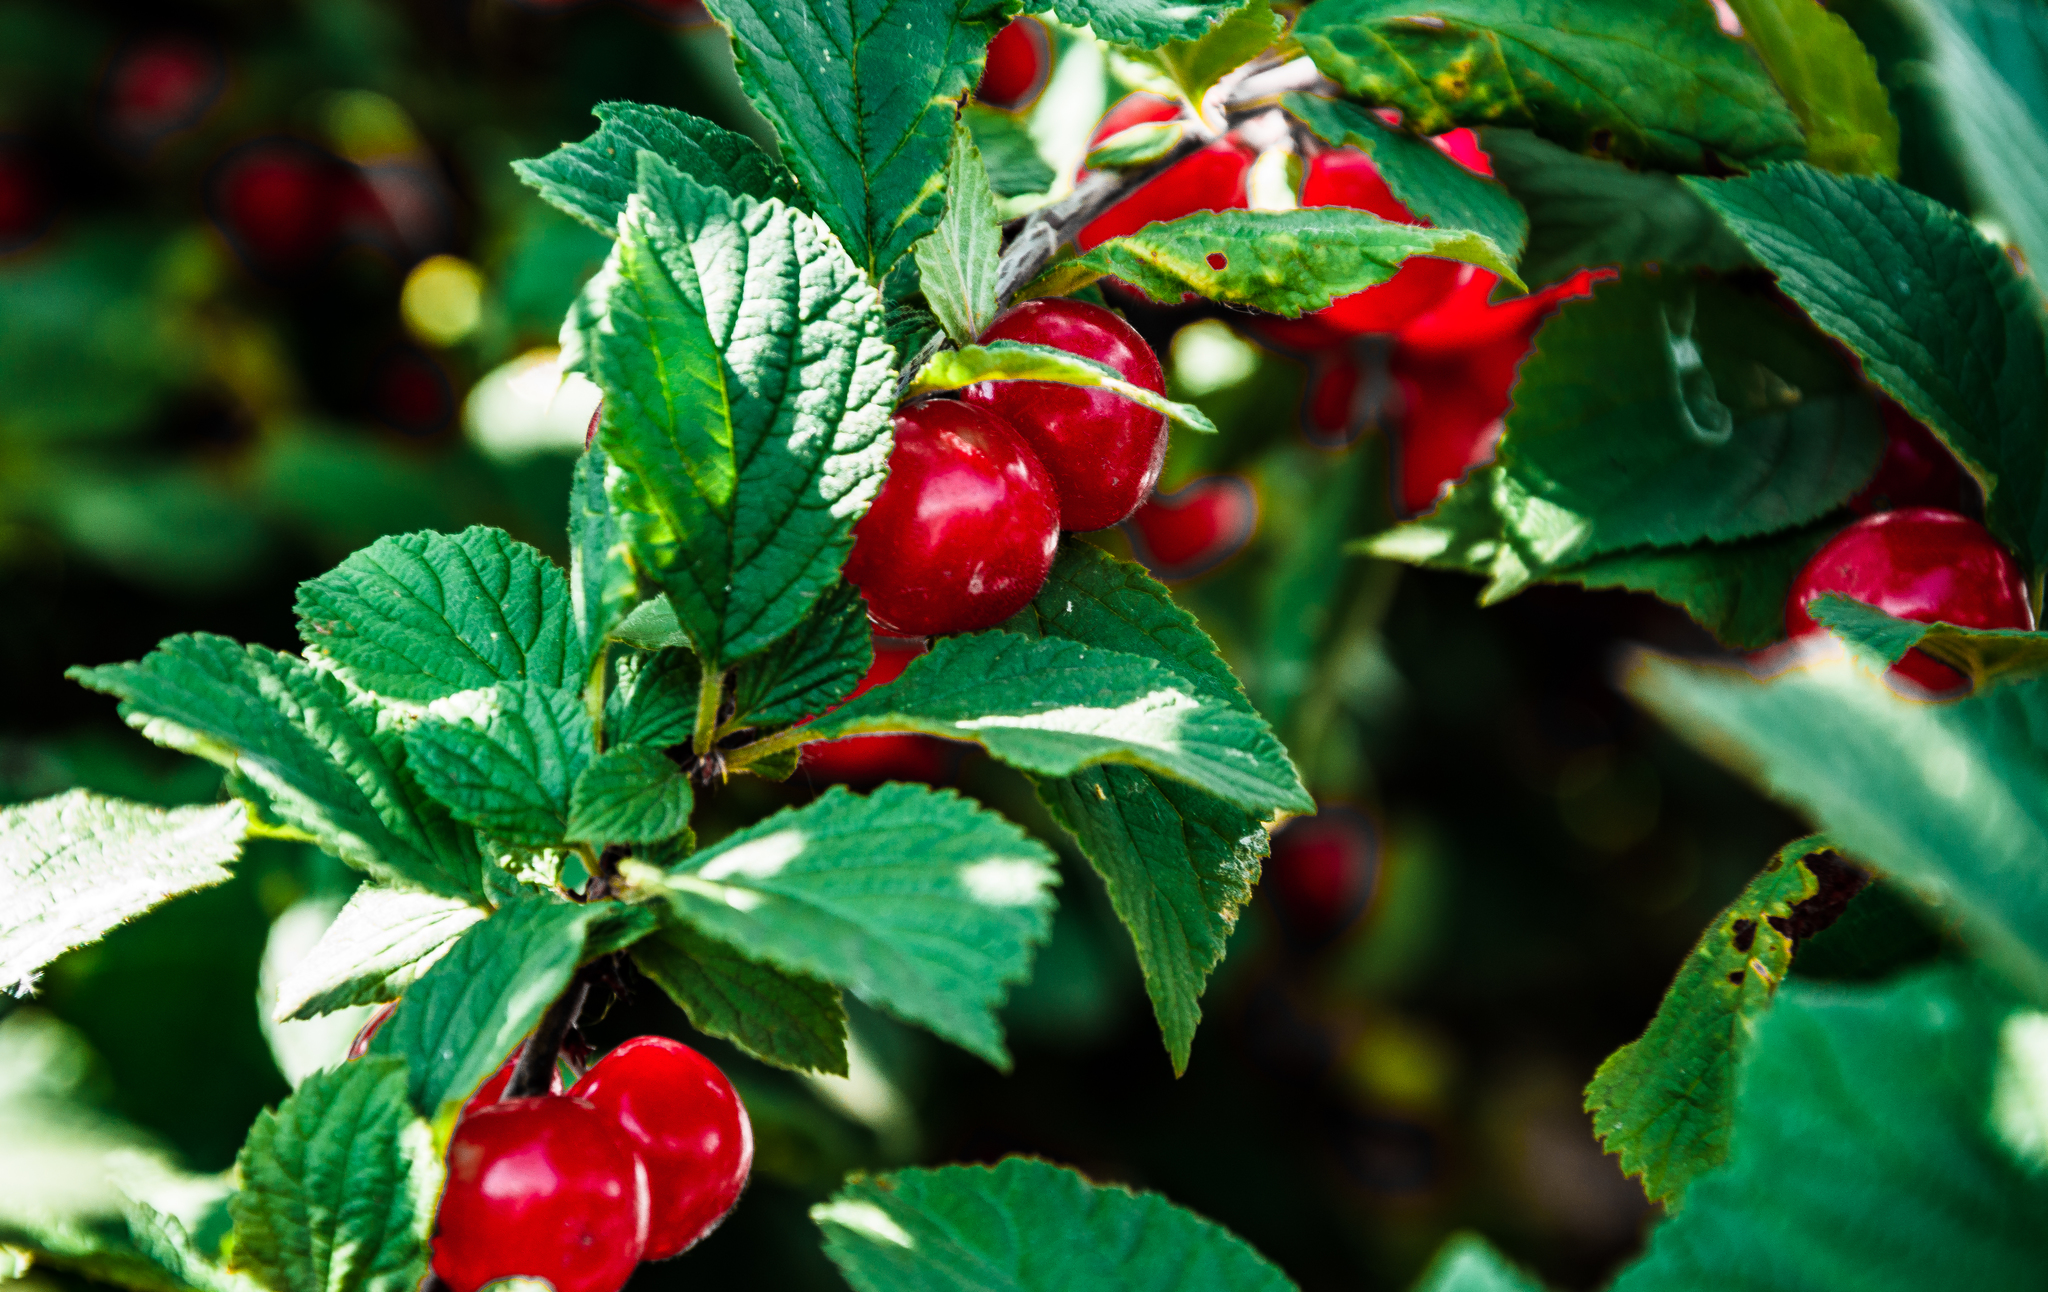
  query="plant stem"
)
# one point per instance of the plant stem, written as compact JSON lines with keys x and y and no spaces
{"x":534,"y":1073}
{"x":787,"y":738}
{"x":708,"y":700}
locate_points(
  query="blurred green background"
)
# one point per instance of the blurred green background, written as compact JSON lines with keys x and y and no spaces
{"x":268,"y":289}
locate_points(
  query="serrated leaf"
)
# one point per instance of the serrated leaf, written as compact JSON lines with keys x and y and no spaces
{"x":813,"y":668}
{"x":1736,"y":591}
{"x":1468,"y":1263}
{"x":461,"y":1020}
{"x":1015,"y":166}
{"x":956,"y":261}
{"x":916,"y":900}
{"x":1057,"y":707}
{"x":1987,"y":656}
{"x":1284,"y":262}
{"x":296,"y":736}
{"x":1934,"y":310}
{"x":1028,"y":1226}
{"x":379,"y":944}
{"x":1830,"y":82}
{"x":1950,"y":799}
{"x":509,"y":768}
{"x":1195,"y":66}
{"x":76,"y":865}
{"x":788,"y":1019}
{"x":1878,"y":1145}
{"x":1425,"y":179}
{"x":746,"y":412}
{"x":592,"y":180}
{"x":1665,"y":1102}
{"x":1585,"y":213}
{"x":652,"y":626}
{"x":423,"y":616}
{"x":1146,"y":24}
{"x":1655,"y":84}
{"x":630,"y":794}
{"x":1024,"y":361}
{"x":339,"y":1186}
{"x":862,"y":95}
{"x":654,"y":701}
{"x":604,"y":588}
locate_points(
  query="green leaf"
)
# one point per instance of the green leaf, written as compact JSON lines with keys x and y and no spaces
{"x":1146,"y":24}
{"x":339,"y":1186}
{"x":460,"y":1022}
{"x":1179,"y":864}
{"x":422,"y":616}
{"x":1425,"y":179}
{"x":508,"y":765}
{"x":1015,"y":166}
{"x":1950,"y":799}
{"x":77,"y":865}
{"x":1028,"y":1226}
{"x":862,"y":95}
{"x":296,"y":736}
{"x":1986,"y":655}
{"x":1830,"y":82}
{"x":652,"y":626}
{"x":916,"y":900}
{"x":1283,"y":262}
{"x":1934,"y":310}
{"x":604,"y":588}
{"x":956,"y":261}
{"x":791,"y":1020}
{"x":379,"y":944}
{"x":1736,"y":591}
{"x":1882,"y":1142}
{"x":1056,"y":707}
{"x":630,"y":794}
{"x":593,"y":179}
{"x":1023,"y":361}
{"x":1468,"y":1263}
{"x":1654,"y":84}
{"x":1665,"y":1103}
{"x":1195,"y":66}
{"x":1138,"y":145}
{"x":747,"y":416}
{"x":1585,"y":213}
{"x":654,"y":701}
{"x":813,"y":668}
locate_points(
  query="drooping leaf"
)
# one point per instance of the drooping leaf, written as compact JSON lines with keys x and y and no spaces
{"x":604,"y":588}
{"x":1024,"y":361}
{"x":1665,"y":1102}
{"x":76,"y":865}
{"x":294,"y":735}
{"x":746,"y":413}
{"x":379,"y":944}
{"x":1424,"y":177}
{"x":339,"y":1186}
{"x":788,"y":1019}
{"x":1195,"y":66}
{"x":956,"y":261}
{"x":916,"y":900}
{"x":813,"y":668}
{"x":1056,"y":707}
{"x":1014,"y":164}
{"x":1028,"y":1226}
{"x":1934,"y":310}
{"x":861,"y":93}
{"x":1985,"y":655}
{"x":1147,"y":24}
{"x":1883,"y":1141}
{"x":422,"y":616}
{"x":1949,"y":799}
{"x":592,"y":180}
{"x":1283,"y":262}
{"x":1468,"y":1263}
{"x":630,"y":794}
{"x":1830,"y":82}
{"x":1655,"y":84}
{"x":509,"y":766}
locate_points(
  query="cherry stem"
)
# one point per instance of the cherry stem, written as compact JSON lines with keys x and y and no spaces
{"x":709,"y":697}
{"x":786,"y":738}
{"x":534,"y":1073}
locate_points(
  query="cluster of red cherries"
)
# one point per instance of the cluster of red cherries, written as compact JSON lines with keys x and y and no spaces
{"x":641,"y":1158}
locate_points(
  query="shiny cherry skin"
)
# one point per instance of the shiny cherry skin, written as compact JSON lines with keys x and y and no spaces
{"x":1103,"y":451}
{"x":1019,"y":64}
{"x":888,"y":756}
{"x":1915,"y":471}
{"x":688,"y":1126}
{"x":1347,"y":177}
{"x":1322,"y":873}
{"x":1190,"y":532}
{"x":1217,"y":178}
{"x":962,"y":532}
{"x":1922,"y":564}
{"x":547,"y":1188}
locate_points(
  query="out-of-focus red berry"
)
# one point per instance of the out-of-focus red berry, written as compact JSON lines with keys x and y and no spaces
{"x":157,"y":86}
{"x":1019,"y":64}
{"x":1347,"y":177}
{"x":1195,"y":529}
{"x":1217,"y":178}
{"x":1915,"y":471}
{"x":893,"y":756}
{"x":1322,"y":873}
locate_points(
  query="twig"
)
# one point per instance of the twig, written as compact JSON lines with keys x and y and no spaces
{"x":534,"y":1073}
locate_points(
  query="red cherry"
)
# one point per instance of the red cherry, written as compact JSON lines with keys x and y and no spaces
{"x":1136,"y":109}
{"x":1921,"y":564}
{"x":1019,"y":64}
{"x":962,"y":533}
{"x":1213,"y":179}
{"x":1102,"y":451}
{"x":493,"y":1090}
{"x":1322,"y":872}
{"x":1180,"y":535}
{"x":870,"y":760}
{"x":1347,"y":177}
{"x":546,"y":1188}
{"x":689,"y":1128}
{"x":160,"y":86}
{"x":1915,"y":471}
{"x":279,"y":202}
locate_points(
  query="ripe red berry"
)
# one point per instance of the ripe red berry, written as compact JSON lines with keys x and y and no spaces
{"x":689,"y":1128}
{"x":1180,"y":535}
{"x":1322,"y":873}
{"x":159,"y":86}
{"x":1347,"y":177}
{"x":1217,"y":178}
{"x":546,"y":1188}
{"x":1102,"y":451}
{"x":1019,"y":64}
{"x":962,"y":533}
{"x":870,"y":760}
{"x":493,"y":1090}
{"x":1920,"y":564}
{"x":1915,"y":471}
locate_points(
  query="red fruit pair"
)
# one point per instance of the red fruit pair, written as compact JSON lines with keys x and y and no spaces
{"x":642,"y":1158}
{"x":870,"y":760}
